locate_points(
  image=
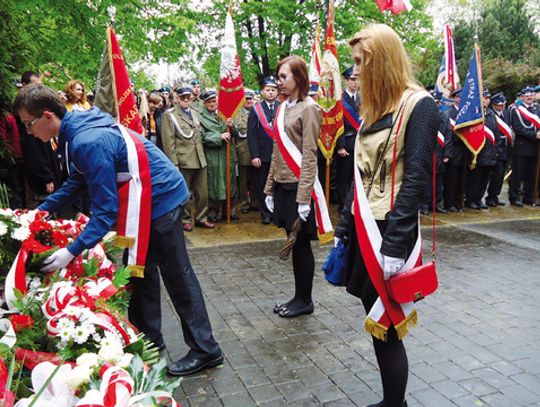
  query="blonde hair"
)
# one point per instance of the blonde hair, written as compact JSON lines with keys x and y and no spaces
{"x":384,"y":72}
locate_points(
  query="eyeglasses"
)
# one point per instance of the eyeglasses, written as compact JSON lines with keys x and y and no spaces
{"x":282,"y":77}
{"x":30,"y":124}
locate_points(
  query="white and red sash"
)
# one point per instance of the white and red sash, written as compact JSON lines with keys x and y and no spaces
{"x":489,"y":134}
{"x":504,"y":128}
{"x":385,"y":312}
{"x":135,"y":204}
{"x":440,"y":138}
{"x":267,"y":127}
{"x":293,"y":157}
{"x":524,"y":113}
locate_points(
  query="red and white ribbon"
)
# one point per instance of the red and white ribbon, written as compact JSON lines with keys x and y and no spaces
{"x":135,"y":202}
{"x":440,"y":138}
{"x":293,"y":157}
{"x":489,"y":134}
{"x":504,"y":128}
{"x":385,"y":312}
{"x":534,"y":119}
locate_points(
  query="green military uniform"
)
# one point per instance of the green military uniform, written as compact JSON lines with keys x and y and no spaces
{"x":182,"y":142}
{"x":197,"y":105}
{"x":244,"y":157}
{"x":212,"y":127}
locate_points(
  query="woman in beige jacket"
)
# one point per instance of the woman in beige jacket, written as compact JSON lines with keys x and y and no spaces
{"x":289,"y":196}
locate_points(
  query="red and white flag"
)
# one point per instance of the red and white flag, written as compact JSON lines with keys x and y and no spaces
{"x":395,"y":6}
{"x":489,"y":134}
{"x":231,"y":87}
{"x":315,"y":61}
{"x":440,"y":138}
{"x":451,"y":71}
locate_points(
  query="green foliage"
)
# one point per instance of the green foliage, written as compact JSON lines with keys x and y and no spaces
{"x":121,"y":277}
{"x":505,"y":76}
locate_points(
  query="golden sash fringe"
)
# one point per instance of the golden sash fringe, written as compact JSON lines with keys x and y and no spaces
{"x":136,"y":271}
{"x":124,"y":242}
{"x":381,"y":332}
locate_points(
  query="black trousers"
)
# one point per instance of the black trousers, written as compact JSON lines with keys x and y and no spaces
{"x":261,"y":174}
{"x":477,"y":183}
{"x":523,"y":170}
{"x":453,"y":186}
{"x":427,"y":201}
{"x":167,"y":252}
{"x":344,"y":175}
{"x":496,"y":181}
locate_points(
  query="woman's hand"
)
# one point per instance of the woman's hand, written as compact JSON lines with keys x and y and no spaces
{"x":303,"y":211}
{"x":269,"y":201}
{"x":392,"y":266}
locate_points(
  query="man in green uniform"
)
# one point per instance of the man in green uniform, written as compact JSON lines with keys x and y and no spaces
{"x":243,"y":154}
{"x":181,"y":135}
{"x":215,"y":138}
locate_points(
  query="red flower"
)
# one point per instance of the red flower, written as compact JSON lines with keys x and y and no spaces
{"x":59,"y":239}
{"x":39,"y":225}
{"x":21,"y":322}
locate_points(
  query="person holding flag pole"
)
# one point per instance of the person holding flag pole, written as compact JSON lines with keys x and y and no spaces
{"x":393,"y":161}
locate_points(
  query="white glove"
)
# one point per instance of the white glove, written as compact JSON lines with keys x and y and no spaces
{"x":58,"y":260}
{"x":336,"y":241}
{"x":303,"y":211}
{"x":392,"y":266}
{"x":269,"y":201}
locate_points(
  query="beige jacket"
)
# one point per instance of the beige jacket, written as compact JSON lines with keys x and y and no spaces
{"x":241,"y":143}
{"x":368,"y":149}
{"x":182,"y":138}
{"x":303,"y":126}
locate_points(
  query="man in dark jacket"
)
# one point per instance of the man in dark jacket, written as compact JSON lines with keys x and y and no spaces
{"x":525,"y":150}
{"x":345,"y":143}
{"x":260,"y":140}
{"x":95,"y":150}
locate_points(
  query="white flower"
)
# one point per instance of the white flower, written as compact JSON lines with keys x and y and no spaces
{"x":90,"y":360}
{"x":8,"y":213}
{"x":111,"y":349}
{"x":35,"y":283}
{"x":3,"y":228}
{"x":21,"y":233}
{"x":80,"y":334}
{"x":125,"y":361}
{"x":78,"y":376}
{"x":65,"y":335}
{"x":65,"y":324}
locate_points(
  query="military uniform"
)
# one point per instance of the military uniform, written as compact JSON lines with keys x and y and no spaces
{"x":182,"y":142}
{"x":244,"y":158}
{"x":212,"y":127}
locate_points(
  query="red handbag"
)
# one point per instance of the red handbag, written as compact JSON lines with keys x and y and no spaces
{"x":418,"y":282}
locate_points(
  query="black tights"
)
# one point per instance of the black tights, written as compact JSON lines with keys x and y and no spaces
{"x":394,"y":367}
{"x":303,"y":266}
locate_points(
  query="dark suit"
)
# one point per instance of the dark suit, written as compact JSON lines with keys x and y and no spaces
{"x":344,"y":165}
{"x":525,"y":151}
{"x":457,"y":154}
{"x":503,"y":155}
{"x":260,"y":146}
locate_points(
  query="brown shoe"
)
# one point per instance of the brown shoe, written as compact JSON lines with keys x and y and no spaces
{"x":206,"y":224}
{"x":188,"y":227}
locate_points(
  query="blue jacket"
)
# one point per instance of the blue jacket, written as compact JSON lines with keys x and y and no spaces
{"x":96,"y":154}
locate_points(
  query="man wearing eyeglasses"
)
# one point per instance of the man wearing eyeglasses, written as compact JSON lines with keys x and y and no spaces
{"x":96,"y":151}
{"x":181,"y":134}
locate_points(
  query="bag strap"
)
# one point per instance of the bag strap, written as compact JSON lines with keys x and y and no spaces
{"x":433,"y":182}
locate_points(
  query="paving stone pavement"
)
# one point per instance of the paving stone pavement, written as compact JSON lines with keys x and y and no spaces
{"x":476,"y":343}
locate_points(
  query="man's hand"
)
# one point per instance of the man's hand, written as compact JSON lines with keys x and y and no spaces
{"x":342,"y":152}
{"x":256,"y":162}
{"x":58,"y":260}
{"x":392,"y":266}
{"x":226,"y":137}
{"x":269,"y":201}
{"x":49,"y":187}
{"x":303,"y":211}
{"x":445,"y":159}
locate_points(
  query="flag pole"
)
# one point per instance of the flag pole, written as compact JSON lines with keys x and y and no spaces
{"x":327,"y":182}
{"x":229,"y":129}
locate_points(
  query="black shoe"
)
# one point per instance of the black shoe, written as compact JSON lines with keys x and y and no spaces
{"x":212,"y":219}
{"x":190,"y":364}
{"x":424,"y":211}
{"x":291,"y":312}
{"x":244,"y":209}
{"x":491,"y":203}
{"x":473,"y":205}
{"x":381,"y":404}
{"x":266,"y":221}
{"x":160,"y":347}
{"x":452,"y":209}
{"x":440,"y":209}
{"x":517,"y":203}
{"x":482,"y":205}
{"x":500,"y":203}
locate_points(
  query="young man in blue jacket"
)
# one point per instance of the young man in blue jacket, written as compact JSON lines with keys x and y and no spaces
{"x":93,"y":147}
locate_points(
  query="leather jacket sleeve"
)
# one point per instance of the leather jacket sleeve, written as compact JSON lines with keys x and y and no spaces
{"x":420,"y":142}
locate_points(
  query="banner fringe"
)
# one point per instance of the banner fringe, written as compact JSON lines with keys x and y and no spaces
{"x":124,"y":242}
{"x":375,"y":329}
{"x":403,"y":327}
{"x":136,"y":271}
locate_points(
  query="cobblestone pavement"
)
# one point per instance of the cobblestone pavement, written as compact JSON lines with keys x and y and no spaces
{"x":476,"y":343}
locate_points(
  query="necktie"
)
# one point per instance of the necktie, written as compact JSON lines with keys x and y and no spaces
{"x":271,"y":107}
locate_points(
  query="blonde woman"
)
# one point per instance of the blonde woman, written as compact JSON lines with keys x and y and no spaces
{"x":393,"y":157}
{"x":76,"y":96}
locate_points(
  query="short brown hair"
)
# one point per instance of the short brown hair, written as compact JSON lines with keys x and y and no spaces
{"x":36,"y":98}
{"x":299,"y":73}
{"x":155,"y":98}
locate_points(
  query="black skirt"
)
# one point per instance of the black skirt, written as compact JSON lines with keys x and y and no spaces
{"x":286,"y":210}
